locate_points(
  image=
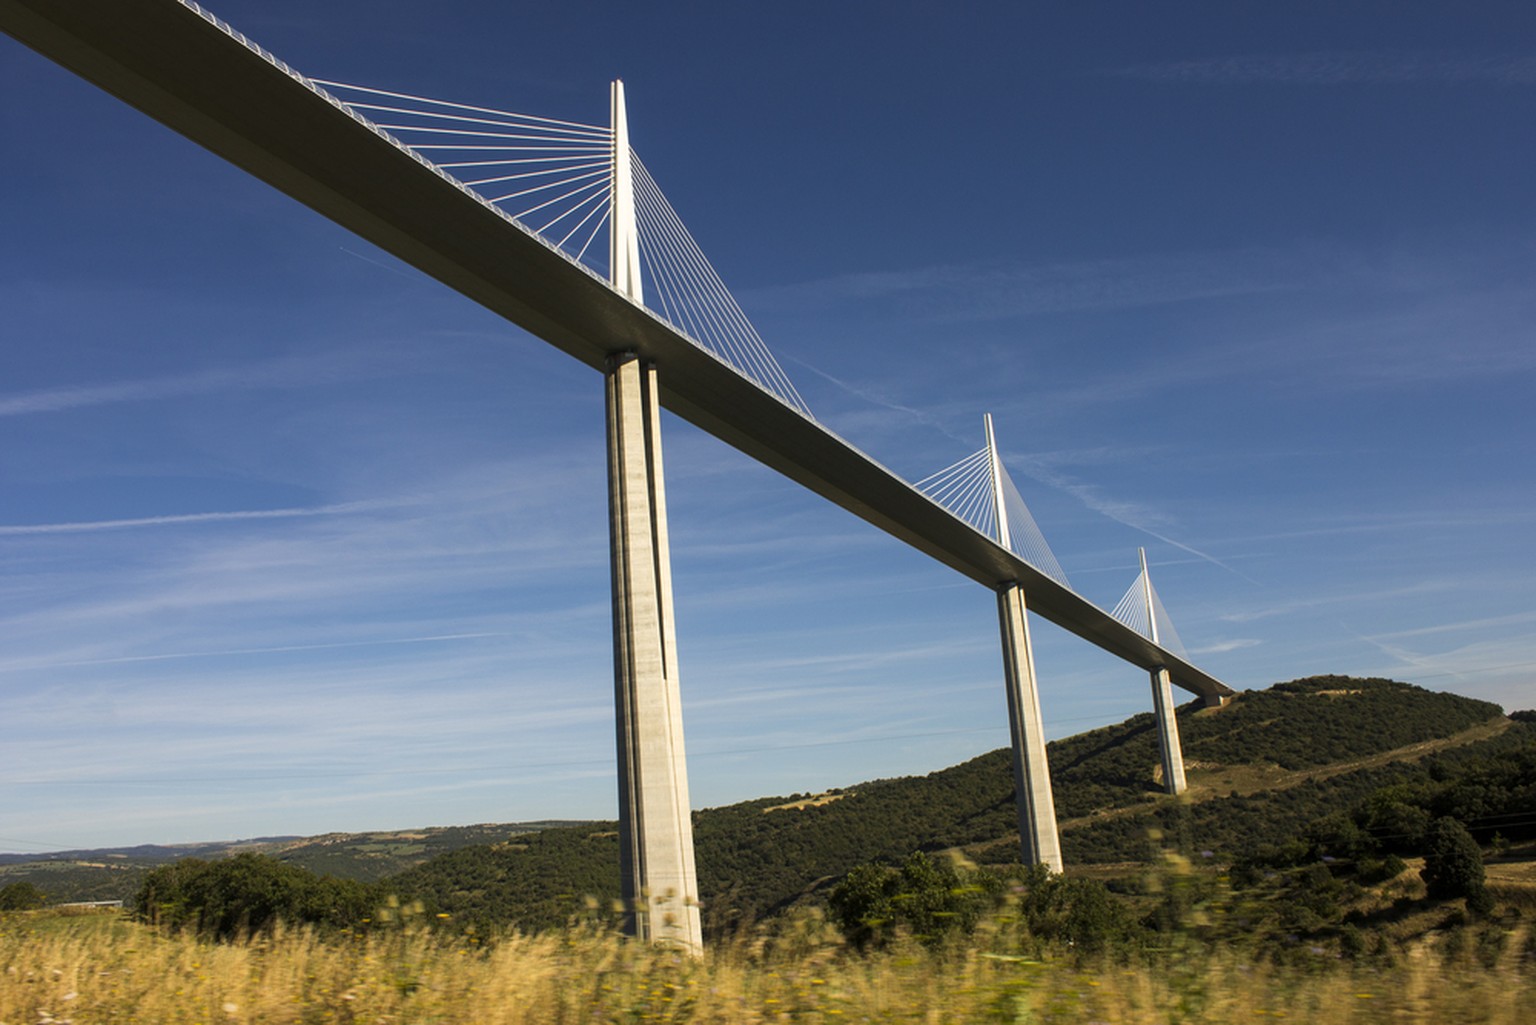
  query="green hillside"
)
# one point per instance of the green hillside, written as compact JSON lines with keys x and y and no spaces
{"x":371,"y":856}
{"x":1328,"y":767}
{"x":1262,"y":770}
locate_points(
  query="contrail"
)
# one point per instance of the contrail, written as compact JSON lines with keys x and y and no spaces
{"x":88,"y":526}
{"x":275,"y":650}
{"x":1086,"y":494}
{"x":926,"y":419}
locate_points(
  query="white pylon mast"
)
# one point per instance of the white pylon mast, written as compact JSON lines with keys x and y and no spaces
{"x":1169,"y":748}
{"x":996,"y":466}
{"x":1040,"y":840}
{"x":623,"y":240}
{"x":1146,"y":590}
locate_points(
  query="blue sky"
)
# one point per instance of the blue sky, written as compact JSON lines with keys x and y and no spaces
{"x":293,"y":539}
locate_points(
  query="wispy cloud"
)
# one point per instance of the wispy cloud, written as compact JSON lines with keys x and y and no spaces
{"x":1221,"y":647}
{"x":875,"y":659}
{"x":281,"y":649}
{"x":1131,"y":514}
{"x":412,"y":563}
{"x":54,"y":400}
{"x":1405,"y":321}
{"x":1350,"y":598}
{"x":292,"y":372}
{"x":876,"y":397}
{"x":1394,"y":521}
{"x":979,"y":292}
{"x":1500,"y":669}
{"x":1342,"y":67}
{"x":88,"y":526}
{"x":1459,"y":627}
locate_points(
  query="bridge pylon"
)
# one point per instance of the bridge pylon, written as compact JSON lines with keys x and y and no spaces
{"x":1039,"y":839}
{"x":658,"y":879}
{"x":1168,"y":746}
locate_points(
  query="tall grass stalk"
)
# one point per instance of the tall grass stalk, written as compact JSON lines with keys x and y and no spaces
{"x":106,"y":969}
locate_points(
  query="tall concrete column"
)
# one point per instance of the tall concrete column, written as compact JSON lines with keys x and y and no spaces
{"x":1038,"y":836}
{"x":1162,"y":698}
{"x":1168,"y":732}
{"x":655,"y":829}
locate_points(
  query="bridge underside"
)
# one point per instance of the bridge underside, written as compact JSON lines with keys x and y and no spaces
{"x":175,"y":65}
{"x":202,"y":79}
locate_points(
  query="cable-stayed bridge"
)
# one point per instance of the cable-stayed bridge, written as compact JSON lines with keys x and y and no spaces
{"x":556,"y":178}
{"x":557,"y":226}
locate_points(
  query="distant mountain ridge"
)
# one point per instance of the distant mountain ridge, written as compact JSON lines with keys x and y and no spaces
{"x":155,"y":852}
{"x":299,"y":849}
{"x":111,"y":873}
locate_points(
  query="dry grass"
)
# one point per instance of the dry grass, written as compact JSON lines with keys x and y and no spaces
{"x":104,"y":969}
{"x":814,"y":801}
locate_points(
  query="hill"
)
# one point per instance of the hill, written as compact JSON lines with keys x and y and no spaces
{"x":1262,"y":770}
{"x":1278,"y":774}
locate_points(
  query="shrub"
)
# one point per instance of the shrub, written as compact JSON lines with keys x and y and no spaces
{"x":934,"y":902}
{"x":1080,"y":913}
{"x":1374,"y":870}
{"x":1453,"y":864}
{"x":245,"y":894}
{"x":929,"y":900}
{"x":21,"y":897}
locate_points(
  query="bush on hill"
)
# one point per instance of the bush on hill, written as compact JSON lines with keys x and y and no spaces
{"x":925,"y":899}
{"x":248,"y":893}
{"x":22,"y":896}
{"x":1453,"y":864}
{"x":935,"y":902}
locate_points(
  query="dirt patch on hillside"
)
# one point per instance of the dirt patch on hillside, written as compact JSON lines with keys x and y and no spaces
{"x":1521,"y":874}
{"x":815,"y":801}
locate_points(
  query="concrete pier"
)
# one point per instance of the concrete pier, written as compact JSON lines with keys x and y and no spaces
{"x":655,"y":828}
{"x":1038,"y":836}
{"x":1168,"y":733}
{"x":1162,"y":697}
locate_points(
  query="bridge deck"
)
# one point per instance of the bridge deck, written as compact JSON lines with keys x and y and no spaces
{"x":169,"y":61}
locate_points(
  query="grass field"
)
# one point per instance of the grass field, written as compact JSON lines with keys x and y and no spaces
{"x":104,"y":968}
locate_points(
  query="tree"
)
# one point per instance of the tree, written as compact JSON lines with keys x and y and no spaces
{"x":245,"y":894}
{"x":21,"y":897}
{"x":1453,"y":863}
{"x":1079,"y":913}
{"x":929,"y":900}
